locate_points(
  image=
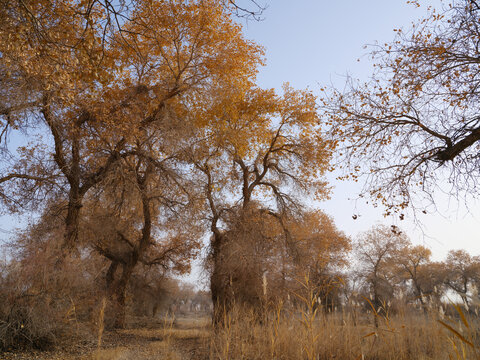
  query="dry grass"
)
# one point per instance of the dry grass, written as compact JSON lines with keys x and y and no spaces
{"x":287,"y":335}
{"x":155,"y":350}
{"x":307,"y":333}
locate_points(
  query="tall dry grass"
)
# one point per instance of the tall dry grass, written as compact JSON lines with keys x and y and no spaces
{"x":291,"y":335}
{"x":309,"y":333}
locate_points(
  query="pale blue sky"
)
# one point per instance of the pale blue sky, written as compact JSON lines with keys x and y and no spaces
{"x":310,"y":43}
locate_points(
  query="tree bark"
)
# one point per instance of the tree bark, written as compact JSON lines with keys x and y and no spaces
{"x":72,"y":220}
{"x":420,"y":296}
{"x":120,"y":295}
{"x":135,"y":255}
{"x":217,"y":283}
{"x":110,"y":277}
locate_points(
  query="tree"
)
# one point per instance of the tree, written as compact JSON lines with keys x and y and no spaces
{"x":416,"y":123}
{"x":376,"y":250}
{"x":413,"y":263}
{"x":261,"y":149}
{"x":93,"y":97}
{"x":138,"y":218}
{"x":49,"y":57}
{"x":245,"y":261}
{"x":433,"y":280}
{"x":321,"y":251}
{"x":462,"y":272}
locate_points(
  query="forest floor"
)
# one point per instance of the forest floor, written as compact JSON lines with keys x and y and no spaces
{"x":179,"y":339}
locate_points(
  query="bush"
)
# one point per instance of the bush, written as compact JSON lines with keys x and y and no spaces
{"x":28,"y":323}
{"x":42,"y":301}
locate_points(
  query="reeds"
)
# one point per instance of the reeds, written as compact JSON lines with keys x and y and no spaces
{"x":309,"y":332}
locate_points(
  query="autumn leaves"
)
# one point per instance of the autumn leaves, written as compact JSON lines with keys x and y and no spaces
{"x":151,"y":128}
{"x":414,"y":126}
{"x":145,"y":129}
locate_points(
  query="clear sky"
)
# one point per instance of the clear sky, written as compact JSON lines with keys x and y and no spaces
{"x":310,"y":43}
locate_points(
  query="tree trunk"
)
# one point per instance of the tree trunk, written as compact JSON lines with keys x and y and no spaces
{"x":376,"y":305}
{"x":144,"y":241}
{"x":75,"y":197}
{"x":217,"y":283}
{"x":120,"y":294}
{"x":72,"y":222}
{"x":420,"y":296}
{"x":110,"y":277}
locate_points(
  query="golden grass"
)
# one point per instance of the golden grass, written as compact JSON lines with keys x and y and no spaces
{"x":166,"y":334}
{"x":308,"y":333}
{"x":109,"y":354}
{"x":288,"y":335}
{"x":303,"y":334}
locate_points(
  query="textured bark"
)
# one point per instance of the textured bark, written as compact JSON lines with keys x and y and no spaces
{"x":218,"y":285}
{"x":72,"y":220}
{"x":120,"y":295}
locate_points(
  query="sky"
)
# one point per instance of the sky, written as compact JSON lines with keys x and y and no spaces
{"x":310,"y":43}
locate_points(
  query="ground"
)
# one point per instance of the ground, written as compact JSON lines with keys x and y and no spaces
{"x":172,"y":339}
